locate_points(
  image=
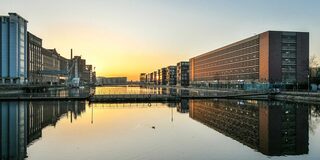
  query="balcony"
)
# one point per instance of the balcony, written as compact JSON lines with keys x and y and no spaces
{"x":288,"y":63}
{"x":288,"y":55}
{"x":289,"y":48}
{"x":289,"y":70}
{"x":288,"y":41}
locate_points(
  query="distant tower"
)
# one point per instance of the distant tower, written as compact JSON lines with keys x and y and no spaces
{"x":71,"y":54}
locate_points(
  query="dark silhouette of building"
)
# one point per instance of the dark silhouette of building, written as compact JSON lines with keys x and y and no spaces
{"x":142,"y":78}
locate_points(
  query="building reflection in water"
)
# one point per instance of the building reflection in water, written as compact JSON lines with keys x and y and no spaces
{"x":21,"y":123}
{"x":183,"y":106}
{"x":13,"y":130}
{"x":272,"y":128}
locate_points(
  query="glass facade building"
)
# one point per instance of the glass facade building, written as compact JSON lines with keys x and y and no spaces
{"x":13,"y":47}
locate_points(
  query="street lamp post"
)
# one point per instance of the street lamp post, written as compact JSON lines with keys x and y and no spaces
{"x":308,"y":83}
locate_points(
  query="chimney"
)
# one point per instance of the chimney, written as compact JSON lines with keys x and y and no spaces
{"x":71,"y":54}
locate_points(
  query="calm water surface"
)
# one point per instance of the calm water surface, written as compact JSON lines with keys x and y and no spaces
{"x":195,"y":129}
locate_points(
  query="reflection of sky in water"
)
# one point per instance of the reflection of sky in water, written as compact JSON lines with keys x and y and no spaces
{"x":76,"y":130}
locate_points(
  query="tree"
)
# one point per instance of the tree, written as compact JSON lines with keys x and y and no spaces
{"x":314,"y":61}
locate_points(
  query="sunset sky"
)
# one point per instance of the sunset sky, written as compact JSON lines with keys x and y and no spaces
{"x":126,"y":37}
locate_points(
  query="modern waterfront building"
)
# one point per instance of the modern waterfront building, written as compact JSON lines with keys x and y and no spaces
{"x":143,"y":78}
{"x":34,"y":59}
{"x":171,"y":75}
{"x":94,"y":77}
{"x":13,"y":47}
{"x":272,"y":57}
{"x":158,"y":75}
{"x":147,"y":78}
{"x":163,"y":76}
{"x":155,"y":77}
{"x":112,"y":80}
{"x":183,"y":73}
{"x":151,"y":78}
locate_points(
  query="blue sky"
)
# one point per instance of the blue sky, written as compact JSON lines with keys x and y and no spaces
{"x":126,"y":37}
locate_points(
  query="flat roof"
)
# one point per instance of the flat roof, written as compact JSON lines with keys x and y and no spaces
{"x":240,"y":41}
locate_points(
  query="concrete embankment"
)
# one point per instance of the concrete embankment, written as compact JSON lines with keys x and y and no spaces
{"x":310,"y":97}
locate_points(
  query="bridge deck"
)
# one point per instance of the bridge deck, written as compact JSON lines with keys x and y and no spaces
{"x":165,"y":98}
{"x":133,"y":97}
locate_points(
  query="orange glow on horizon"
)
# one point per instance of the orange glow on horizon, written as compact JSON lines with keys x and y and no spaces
{"x":113,"y":54}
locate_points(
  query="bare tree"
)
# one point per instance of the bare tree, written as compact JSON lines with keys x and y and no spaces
{"x":314,"y":61}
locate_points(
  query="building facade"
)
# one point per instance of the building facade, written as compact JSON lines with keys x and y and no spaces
{"x":163,"y":76}
{"x":272,"y":57}
{"x":183,"y":73}
{"x":34,"y":59}
{"x":94,"y":77}
{"x":112,"y":80}
{"x":155,"y":77}
{"x":158,"y":75}
{"x":171,"y":75}
{"x":13,"y":46}
{"x":87,"y":74}
{"x":142,"y":78}
{"x":151,"y":78}
{"x":51,"y":66}
{"x":64,"y":68}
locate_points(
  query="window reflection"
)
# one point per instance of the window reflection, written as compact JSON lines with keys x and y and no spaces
{"x":272,"y":128}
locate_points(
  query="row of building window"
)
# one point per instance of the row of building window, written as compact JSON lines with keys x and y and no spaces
{"x":232,"y":48}
{"x":243,"y":51}
{"x":231,"y":60}
{"x":245,"y":64}
{"x":288,"y":51}
{"x":231,"y":71}
{"x":252,"y":76}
